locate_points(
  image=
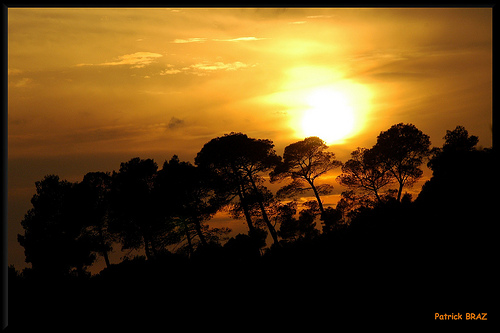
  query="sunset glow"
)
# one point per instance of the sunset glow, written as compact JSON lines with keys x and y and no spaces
{"x":334,"y":114}
{"x":89,"y":88}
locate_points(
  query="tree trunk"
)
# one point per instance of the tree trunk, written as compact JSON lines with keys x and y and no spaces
{"x":197,"y":226}
{"x":400,"y":191}
{"x":274,"y":235}
{"x":241,"y":195}
{"x":103,"y":247}
{"x":377,"y":196}
{"x":106,"y":259}
{"x":188,"y":236}
{"x":316,"y":194}
{"x":245,"y":210}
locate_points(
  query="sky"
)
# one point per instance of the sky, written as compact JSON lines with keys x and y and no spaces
{"x":91,"y":88}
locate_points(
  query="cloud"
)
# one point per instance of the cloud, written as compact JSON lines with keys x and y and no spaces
{"x":207,"y":66}
{"x":175,"y":123}
{"x":24,"y":82}
{"x":297,"y":22}
{"x":239,"y":39}
{"x":170,"y":70}
{"x":319,"y":16}
{"x":14,"y":71}
{"x":203,"y":68}
{"x":203,"y":40}
{"x":137,"y":60}
{"x":189,"y":40}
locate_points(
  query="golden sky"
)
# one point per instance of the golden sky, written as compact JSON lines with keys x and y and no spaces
{"x":90,"y":88}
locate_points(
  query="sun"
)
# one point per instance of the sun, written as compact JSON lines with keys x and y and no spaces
{"x":330,"y":117}
{"x":319,"y":101}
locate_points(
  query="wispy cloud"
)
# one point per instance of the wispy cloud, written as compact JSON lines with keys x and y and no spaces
{"x":238,"y":39}
{"x":137,"y":60}
{"x":170,"y":70}
{"x":203,"y":40}
{"x":297,"y":22}
{"x":14,"y":71}
{"x":319,"y":16}
{"x":214,"y":66}
{"x":24,"y":82}
{"x":205,"y":67}
{"x":189,"y":40}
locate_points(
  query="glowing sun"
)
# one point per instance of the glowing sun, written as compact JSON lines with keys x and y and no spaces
{"x":320,"y":102}
{"x":331,"y":115}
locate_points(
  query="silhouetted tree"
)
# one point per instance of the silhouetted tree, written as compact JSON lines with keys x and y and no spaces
{"x":351,"y":204}
{"x":53,"y":239}
{"x":365,"y":172}
{"x":93,"y":211}
{"x":287,"y":221}
{"x":457,"y":206}
{"x":252,"y":208}
{"x":239,"y":160}
{"x":301,"y":228}
{"x":307,"y":220}
{"x":184,"y":195}
{"x":304,"y":161}
{"x":241,"y":248}
{"x":402,"y":149}
{"x":459,"y":140}
{"x":135,"y":218}
{"x":332,"y":219}
{"x":452,"y":162}
{"x":456,"y":142}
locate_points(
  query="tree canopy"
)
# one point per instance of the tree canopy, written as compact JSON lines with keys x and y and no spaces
{"x":402,"y":150}
{"x":365,"y":172}
{"x":239,"y":159}
{"x":169,"y":210}
{"x":192,"y":271}
{"x":53,"y":240}
{"x":304,"y":161}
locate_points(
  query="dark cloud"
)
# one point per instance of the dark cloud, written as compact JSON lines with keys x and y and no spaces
{"x":175,"y":123}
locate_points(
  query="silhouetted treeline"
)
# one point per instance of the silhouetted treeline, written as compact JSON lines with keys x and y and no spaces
{"x":377,"y":246}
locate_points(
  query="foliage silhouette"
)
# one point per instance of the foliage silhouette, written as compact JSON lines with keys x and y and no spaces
{"x":365,"y":172}
{"x":240,"y":159}
{"x":460,"y":211}
{"x":293,"y":229}
{"x":402,"y":149}
{"x":134,"y":216}
{"x":53,"y":240}
{"x":242,"y":248}
{"x":185,"y":197}
{"x":437,"y":248}
{"x":93,"y":202}
{"x":304,"y":161}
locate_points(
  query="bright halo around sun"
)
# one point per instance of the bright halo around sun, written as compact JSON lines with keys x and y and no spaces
{"x":321,"y":102}
{"x":330,"y":116}
{"x":335,"y":112}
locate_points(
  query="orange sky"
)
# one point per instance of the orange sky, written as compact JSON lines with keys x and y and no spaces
{"x":90,"y":88}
